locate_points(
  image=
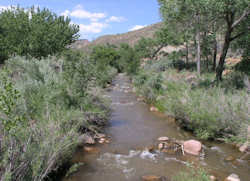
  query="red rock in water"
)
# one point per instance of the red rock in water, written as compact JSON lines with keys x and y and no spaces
{"x":192,"y":147}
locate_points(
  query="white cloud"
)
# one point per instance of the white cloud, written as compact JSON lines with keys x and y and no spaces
{"x":116,"y":19}
{"x":80,"y":13}
{"x":3,"y":8}
{"x":66,"y":13}
{"x":93,"y":27}
{"x":137,"y":27}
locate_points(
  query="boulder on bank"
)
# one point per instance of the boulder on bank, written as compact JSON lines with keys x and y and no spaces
{"x":212,"y":178}
{"x":153,"y":109}
{"x":192,"y":147}
{"x":246,"y":146}
{"x":86,"y":139}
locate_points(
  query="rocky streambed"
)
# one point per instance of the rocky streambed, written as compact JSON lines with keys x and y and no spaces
{"x":142,"y":144}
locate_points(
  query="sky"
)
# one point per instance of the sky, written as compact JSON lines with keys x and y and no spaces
{"x":99,"y":17}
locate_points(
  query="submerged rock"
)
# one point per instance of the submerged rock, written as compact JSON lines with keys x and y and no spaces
{"x":229,"y":158}
{"x":153,"y":178}
{"x":192,"y":147}
{"x":90,"y":149}
{"x":232,"y":177}
{"x":163,"y":138}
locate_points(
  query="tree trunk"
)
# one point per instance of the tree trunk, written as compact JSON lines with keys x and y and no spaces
{"x":207,"y":62}
{"x":198,"y":52}
{"x":157,"y":51}
{"x":187,"y":60}
{"x":215,"y":55}
{"x":220,"y":67}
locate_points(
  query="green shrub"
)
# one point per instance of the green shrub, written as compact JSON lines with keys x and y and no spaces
{"x":209,"y":110}
{"x":47,"y":104}
{"x":192,"y":175}
{"x":234,"y":80}
{"x":34,"y":32}
{"x":129,"y":59}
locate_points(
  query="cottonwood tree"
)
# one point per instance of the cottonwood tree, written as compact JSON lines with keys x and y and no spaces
{"x":184,"y":17}
{"x":35,"y":32}
{"x":234,"y":13}
{"x":228,"y":17}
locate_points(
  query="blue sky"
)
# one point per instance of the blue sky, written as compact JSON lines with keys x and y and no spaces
{"x":99,"y":17}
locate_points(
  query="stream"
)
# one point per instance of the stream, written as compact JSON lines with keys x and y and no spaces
{"x":132,"y":130}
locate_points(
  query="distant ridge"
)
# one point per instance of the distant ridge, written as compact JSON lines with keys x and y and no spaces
{"x":130,"y":37}
{"x":80,"y":44}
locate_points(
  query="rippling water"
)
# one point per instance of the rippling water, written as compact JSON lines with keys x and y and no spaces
{"x":133,"y":129}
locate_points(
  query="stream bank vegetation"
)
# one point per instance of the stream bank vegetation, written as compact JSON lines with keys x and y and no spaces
{"x":49,"y":95}
{"x":192,"y":175}
{"x":196,"y":68}
{"x":45,"y":106}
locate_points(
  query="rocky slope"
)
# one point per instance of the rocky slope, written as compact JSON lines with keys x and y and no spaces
{"x":130,"y":37}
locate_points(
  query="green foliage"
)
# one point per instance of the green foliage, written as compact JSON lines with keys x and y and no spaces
{"x":145,"y":47}
{"x":192,"y":175}
{"x":201,"y":21}
{"x":244,"y":43}
{"x":55,"y":100}
{"x":9,"y":97}
{"x":234,"y":80}
{"x":74,"y":168}
{"x":104,"y":63}
{"x":34,"y":32}
{"x":129,"y":59}
{"x":106,"y":59}
{"x":209,"y":110}
{"x":104,"y":56}
{"x":150,"y":85}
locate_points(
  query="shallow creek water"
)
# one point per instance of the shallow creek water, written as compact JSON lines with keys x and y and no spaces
{"x":133,"y":128}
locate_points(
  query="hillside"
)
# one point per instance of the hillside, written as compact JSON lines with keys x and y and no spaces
{"x":130,"y":37}
{"x":80,"y":44}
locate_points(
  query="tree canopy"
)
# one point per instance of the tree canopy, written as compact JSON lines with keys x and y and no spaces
{"x":35,"y":32}
{"x":200,"y":21}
